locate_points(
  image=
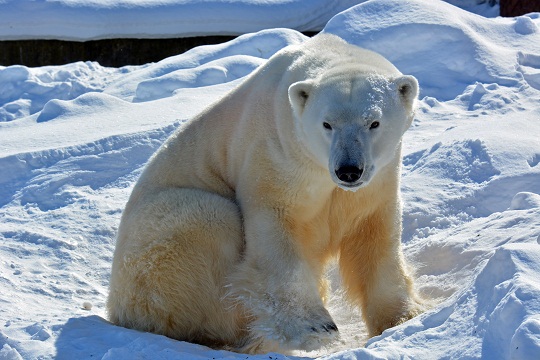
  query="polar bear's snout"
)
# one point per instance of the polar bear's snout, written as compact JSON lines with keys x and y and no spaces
{"x":349,"y":174}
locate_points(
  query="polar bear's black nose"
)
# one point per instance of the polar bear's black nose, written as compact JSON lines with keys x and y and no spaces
{"x":349,"y":174}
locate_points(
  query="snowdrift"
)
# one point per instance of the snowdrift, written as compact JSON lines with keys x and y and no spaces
{"x":74,"y":138}
{"x":83,"y":20}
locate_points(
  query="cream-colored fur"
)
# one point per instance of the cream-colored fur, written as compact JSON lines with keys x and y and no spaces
{"x":226,"y":235}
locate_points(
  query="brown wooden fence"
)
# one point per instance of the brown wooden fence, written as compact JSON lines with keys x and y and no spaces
{"x":519,"y":7}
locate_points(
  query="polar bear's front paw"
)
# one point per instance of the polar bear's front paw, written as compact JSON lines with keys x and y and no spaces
{"x":301,"y":329}
{"x":319,"y":335}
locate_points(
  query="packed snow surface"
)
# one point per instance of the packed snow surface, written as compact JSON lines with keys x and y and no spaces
{"x":74,"y":138}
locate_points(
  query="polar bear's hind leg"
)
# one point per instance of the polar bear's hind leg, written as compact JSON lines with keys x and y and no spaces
{"x":174,"y":255}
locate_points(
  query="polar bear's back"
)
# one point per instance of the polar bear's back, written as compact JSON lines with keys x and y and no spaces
{"x":328,"y":52}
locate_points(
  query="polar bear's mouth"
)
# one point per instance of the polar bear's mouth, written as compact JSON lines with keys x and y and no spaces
{"x":349,"y":186}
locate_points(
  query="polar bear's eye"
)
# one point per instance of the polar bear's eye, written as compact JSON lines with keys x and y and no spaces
{"x":374,"y":125}
{"x":327,"y":125}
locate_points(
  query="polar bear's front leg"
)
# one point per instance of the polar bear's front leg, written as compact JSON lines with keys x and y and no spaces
{"x":375,"y":273}
{"x":278,"y":288}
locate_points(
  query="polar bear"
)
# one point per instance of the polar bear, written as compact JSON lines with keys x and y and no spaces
{"x":227,"y":233}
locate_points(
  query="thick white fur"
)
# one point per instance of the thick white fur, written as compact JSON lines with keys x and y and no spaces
{"x":226,"y":235}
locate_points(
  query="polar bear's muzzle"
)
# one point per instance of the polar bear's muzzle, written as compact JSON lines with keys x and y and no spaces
{"x":349,"y":167}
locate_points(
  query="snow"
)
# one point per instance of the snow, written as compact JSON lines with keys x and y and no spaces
{"x":74,"y":138}
{"x":82,"y":20}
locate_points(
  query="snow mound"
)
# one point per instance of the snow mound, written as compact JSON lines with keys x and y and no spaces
{"x":24,"y":91}
{"x":524,"y":201}
{"x":496,"y":314}
{"x":204,"y":65}
{"x":81,"y":106}
{"x":446,"y":53}
{"x":83,"y":20}
{"x":212,"y":73}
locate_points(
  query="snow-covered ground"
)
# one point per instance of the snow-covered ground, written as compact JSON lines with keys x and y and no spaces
{"x":74,"y":138}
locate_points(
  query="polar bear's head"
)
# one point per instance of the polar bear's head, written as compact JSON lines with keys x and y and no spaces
{"x":353,"y":124}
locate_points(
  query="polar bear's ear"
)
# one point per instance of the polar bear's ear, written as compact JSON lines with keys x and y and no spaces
{"x":298,"y":96}
{"x":407,"y":87}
